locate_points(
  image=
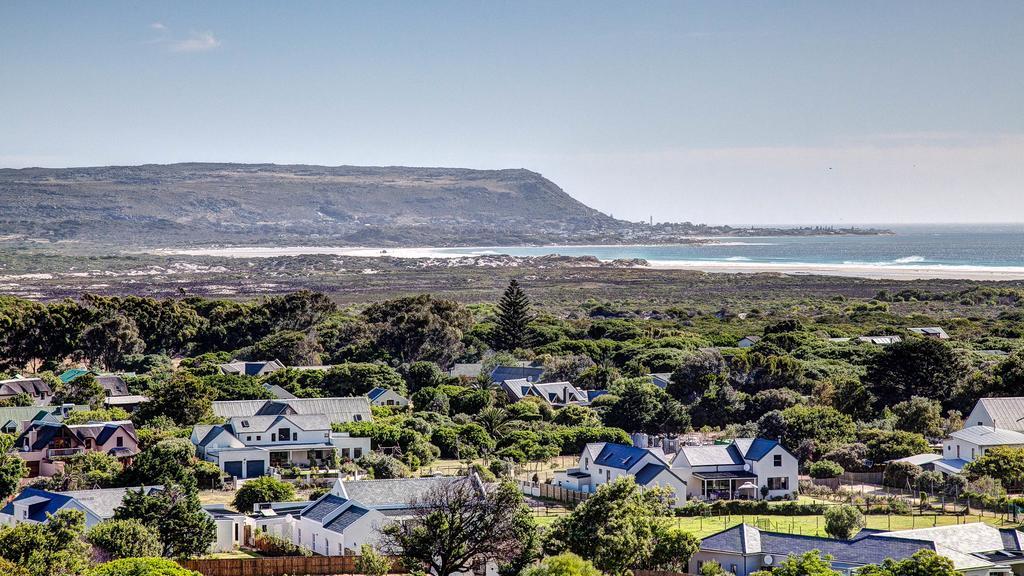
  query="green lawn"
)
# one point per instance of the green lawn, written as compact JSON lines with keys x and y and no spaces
{"x":815,"y":525}
{"x":809,"y":525}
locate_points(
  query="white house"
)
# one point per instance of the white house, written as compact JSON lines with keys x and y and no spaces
{"x":603,"y":462}
{"x":251,"y":446}
{"x":740,"y":469}
{"x":353,"y":512}
{"x":1005,"y":413}
{"x":36,"y":506}
{"x":972,"y":442}
{"x":386,"y":397}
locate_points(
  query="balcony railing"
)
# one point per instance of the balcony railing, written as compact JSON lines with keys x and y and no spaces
{"x":63,"y":452}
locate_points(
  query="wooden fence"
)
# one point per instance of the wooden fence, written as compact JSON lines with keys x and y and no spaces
{"x":552,"y":492}
{"x":279,"y":566}
{"x":862,"y":477}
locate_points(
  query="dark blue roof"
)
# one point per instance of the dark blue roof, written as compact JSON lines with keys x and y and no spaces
{"x":759,"y":448}
{"x":591,"y":394}
{"x":620,"y":456}
{"x":503,"y":373}
{"x":648,"y":473}
{"x":871,"y":549}
{"x":375,"y":393}
{"x":346,"y":519}
{"x":322,"y":508}
{"x":40,"y":503}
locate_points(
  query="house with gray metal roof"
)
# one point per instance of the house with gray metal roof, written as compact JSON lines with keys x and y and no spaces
{"x":1005,"y":413}
{"x":974,"y":441}
{"x":744,"y":468}
{"x":251,"y":446}
{"x":339,"y":410}
{"x":975,"y":549}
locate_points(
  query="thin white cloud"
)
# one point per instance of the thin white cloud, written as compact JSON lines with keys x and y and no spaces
{"x":197,"y":42}
{"x":158,"y":26}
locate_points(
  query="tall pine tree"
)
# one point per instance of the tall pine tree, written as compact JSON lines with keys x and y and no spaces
{"x":514,"y":317}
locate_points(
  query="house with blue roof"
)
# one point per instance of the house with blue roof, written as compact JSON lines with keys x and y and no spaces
{"x":352,"y":513}
{"x":604,"y":462}
{"x":975,"y":549}
{"x":386,"y":397}
{"x":36,"y":506}
{"x":744,"y":468}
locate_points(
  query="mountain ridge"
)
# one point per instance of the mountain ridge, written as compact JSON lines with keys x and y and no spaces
{"x":202,"y":203}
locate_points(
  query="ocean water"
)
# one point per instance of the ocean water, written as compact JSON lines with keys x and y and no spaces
{"x":949,"y":247}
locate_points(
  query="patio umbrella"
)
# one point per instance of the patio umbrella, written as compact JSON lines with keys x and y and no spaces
{"x":748,"y":486}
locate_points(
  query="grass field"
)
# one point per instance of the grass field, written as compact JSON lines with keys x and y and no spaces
{"x":808,"y":525}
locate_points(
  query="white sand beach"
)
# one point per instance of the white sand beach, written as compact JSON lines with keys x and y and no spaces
{"x":895,"y":272}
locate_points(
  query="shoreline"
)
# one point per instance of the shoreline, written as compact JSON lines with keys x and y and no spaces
{"x":881,"y":272}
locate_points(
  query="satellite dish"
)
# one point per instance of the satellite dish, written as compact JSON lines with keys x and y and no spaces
{"x":746,"y":467}
{"x":768,"y":559}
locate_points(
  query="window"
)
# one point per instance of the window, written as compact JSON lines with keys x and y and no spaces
{"x":248,"y":438}
{"x":607,"y":475}
{"x":258,"y":438}
{"x":778,"y":483}
{"x":295,"y":436}
{"x":777,"y":460}
{"x":120,"y":442}
{"x":273,"y":437}
{"x":284,"y":434}
{"x":341,"y":549}
{"x":358,"y":417}
{"x":732,"y":568}
{"x":357,"y":453}
{"x":586,"y":462}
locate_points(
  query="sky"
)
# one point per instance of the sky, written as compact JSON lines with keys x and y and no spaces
{"x":720,"y":112}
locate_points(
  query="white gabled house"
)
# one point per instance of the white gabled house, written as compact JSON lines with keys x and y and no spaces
{"x":251,"y":446}
{"x":354,"y":511}
{"x":1005,"y":413}
{"x":993,"y":422}
{"x":386,"y":397}
{"x":737,"y":470}
{"x":604,"y":462}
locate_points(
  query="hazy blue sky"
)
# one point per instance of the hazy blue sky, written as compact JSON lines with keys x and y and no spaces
{"x":720,"y":112}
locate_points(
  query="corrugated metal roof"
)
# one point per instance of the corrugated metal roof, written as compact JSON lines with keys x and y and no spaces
{"x":338,"y":409}
{"x":1006,"y":413}
{"x":986,"y":436}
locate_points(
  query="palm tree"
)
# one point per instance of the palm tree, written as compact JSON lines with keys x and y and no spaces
{"x":496,"y":421}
